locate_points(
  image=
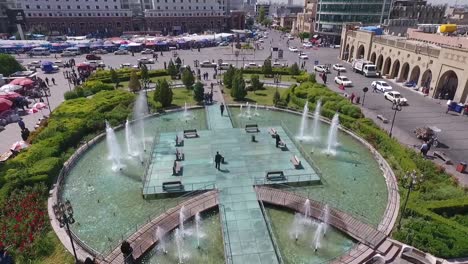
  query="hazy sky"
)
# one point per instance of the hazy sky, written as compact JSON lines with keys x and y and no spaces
{"x":450,"y":2}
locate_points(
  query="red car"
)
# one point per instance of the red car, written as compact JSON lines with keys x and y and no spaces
{"x":93,"y":57}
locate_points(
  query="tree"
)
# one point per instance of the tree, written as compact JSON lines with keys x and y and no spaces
{"x":114,"y":77}
{"x":261,"y":15}
{"x":276,"y":97}
{"x":171,"y":69}
{"x":163,"y":93}
{"x":267,"y":22}
{"x":266,"y":68}
{"x":255,"y":83}
{"x":144,"y":74}
{"x":294,"y":70}
{"x":312,"y":78}
{"x":238,"y":91}
{"x":187,"y":78}
{"x":249,"y":23}
{"x":304,"y":35}
{"x":9,"y":65}
{"x":134,"y":83}
{"x":198,"y":92}
{"x":178,"y":63}
{"x":228,"y":77}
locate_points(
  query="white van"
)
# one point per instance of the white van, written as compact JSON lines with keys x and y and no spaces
{"x":74,"y":50}
{"x":40,"y":52}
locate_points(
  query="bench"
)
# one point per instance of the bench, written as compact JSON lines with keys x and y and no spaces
{"x":251,"y":128}
{"x":179,"y":141}
{"x":296,"y":161}
{"x":190,"y":133}
{"x":275,"y":176}
{"x":179,"y":154}
{"x":443,"y":157}
{"x":176,"y":168}
{"x":172,"y":186}
{"x":381,"y":117}
{"x":415,"y":256}
{"x":273,"y":132}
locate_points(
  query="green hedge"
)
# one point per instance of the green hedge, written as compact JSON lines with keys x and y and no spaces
{"x":422,"y":226}
{"x":124,"y":75}
{"x":66,"y":127}
{"x":280,"y":71}
{"x":87,"y":89}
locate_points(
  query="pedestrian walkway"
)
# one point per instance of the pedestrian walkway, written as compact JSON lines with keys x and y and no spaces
{"x":214,"y":118}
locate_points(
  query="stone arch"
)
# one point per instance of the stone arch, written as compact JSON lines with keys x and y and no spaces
{"x":395,"y":69}
{"x":447,"y":86}
{"x":360,"y":52}
{"x":387,"y":64}
{"x":414,"y":76}
{"x":373,"y":57}
{"x":465,"y":93}
{"x":404,"y":72}
{"x":351,"y":54}
{"x":379,"y":62}
{"x":346,"y":53}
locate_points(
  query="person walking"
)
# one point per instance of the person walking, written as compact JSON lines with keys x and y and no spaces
{"x":47,"y":81}
{"x":222,"y":109}
{"x":218,"y":158}
{"x":424,"y":149}
{"x":325,"y":78}
{"x":25,"y":133}
{"x":53,"y":80}
{"x":351,"y":98}
{"x":278,"y":139}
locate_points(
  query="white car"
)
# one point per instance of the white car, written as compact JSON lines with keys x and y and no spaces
{"x":224,"y":66}
{"x":68,"y":54}
{"x":339,"y":67}
{"x":343,"y":80}
{"x":127,"y":65}
{"x":261,"y":40}
{"x":207,"y":64}
{"x":293,"y":49}
{"x":290,"y":37}
{"x":147,"y":51}
{"x":321,"y":68}
{"x":121,"y":52}
{"x":381,"y":86}
{"x":303,"y":56}
{"x":394,"y":96}
{"x":252,"y":65}
{"x":277,"y":65}
{"x":145,"y":60}
{"x":307,"y":45}
{"x":59,"y":63}
{"x":34,"y":64}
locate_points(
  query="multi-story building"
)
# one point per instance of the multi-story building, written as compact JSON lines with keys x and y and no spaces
{"x":331,"y":14}
{"x":178,"y":16}
{"x":457,"y":15}
{"x":265,"y":6}
{"x":286,"y":21}
{"x":6,"y":25}
{"x":418,"y":10}
{"x":306,"y":19}
{"x":435,"y":62}
{"x":76,"y":17}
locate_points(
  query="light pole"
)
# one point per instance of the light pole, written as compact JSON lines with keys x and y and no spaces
{"x":397,"y":107}
{"x":64,"y":214}
{"x":411,"y":181}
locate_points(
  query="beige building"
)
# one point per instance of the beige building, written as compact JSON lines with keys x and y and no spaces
{"x":305,"y":21}
{"x":439,"y":70}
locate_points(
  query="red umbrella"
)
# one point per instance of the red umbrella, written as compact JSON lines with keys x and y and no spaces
{"x":5,"y":104}
{"x":9,"y":95}
{"x":19,"y":145}
{"x":39,"y":105}
{"x":22,"y":82}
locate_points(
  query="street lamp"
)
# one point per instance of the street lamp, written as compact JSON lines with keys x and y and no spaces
{"x":397,"y":107}
{"x":411,"y":181}
{"x":64,"y":214}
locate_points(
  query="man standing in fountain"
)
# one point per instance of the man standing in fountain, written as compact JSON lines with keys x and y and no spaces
{"x":218,"y":158}
{"x":222,"y":109}
{"x":278,"y":139}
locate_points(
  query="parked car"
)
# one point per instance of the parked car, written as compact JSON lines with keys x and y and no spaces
{"x":303,"y":56}
{"x":307,"y":45}
{"x":321,"y":68}
{"x":97,"y":64}
{"x":100,"y":51}
{"x":381,"y":86}
{"x":224,"y":43}
{"x":121,"y":52}
{"x":128,"y":65}
{"x":147,"y":51}
{"x":343,"y":80}
{"x":59,"y":63}
{"x":68,"y":54}
{"x":339,"y":67}
{"x":293,"y":49}
{"x":394,"y":96}
{"x":252,"y":65}
{"x":290,"y":37}
{"x":224,"y":66}
{"x":145,"y":60}
{"x":207,"y":64}
{"x":277,"y":65}
{"x":93,"y":57}
{"x":34,"y":64}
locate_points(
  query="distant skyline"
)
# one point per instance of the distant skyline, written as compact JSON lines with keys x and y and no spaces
{"x":435,"y":2}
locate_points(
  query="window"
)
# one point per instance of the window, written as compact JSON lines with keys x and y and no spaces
{"x":182,"y":8}
{"x":87,"y":7}
{"x":204,"y":8}
{"x":48,"y":6}
{"x":79,"y":13}
{"x":97,"y":7}
{"x":116,"y":7}
{"x":38,"y":7}
{"x":68,"y":7}
{"x":27,"y":6}
{"x":78,"y":6}
{"x":107,"y":7}
{"x":159,"y":7}
{"x":89,"y":14}
{"x":50,"y":14}
{"x":59,"y":7}
{"x":167,"y":8}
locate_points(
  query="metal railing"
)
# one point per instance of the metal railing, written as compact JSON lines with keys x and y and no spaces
{"x":159,"y":211}
{"x":150,"y":158}
{"x":155,"y":188}
{"x":270,"y":232}
{"x":290,"y":178}
{"x":226,"y":237}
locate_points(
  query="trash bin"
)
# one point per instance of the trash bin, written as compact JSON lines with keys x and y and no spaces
{"x":461,"y":167}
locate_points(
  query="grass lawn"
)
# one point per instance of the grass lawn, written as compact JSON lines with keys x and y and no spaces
{"x":284,"y":78}
{"x":180,"y":96}
{"x":262,"y":97}
{"x":153,"y":80}
{"x":58,"y":255}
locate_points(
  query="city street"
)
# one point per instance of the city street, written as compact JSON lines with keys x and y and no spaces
{"x":421,"y":111}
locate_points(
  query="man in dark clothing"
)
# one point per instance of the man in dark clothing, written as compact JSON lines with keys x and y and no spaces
{"x":25,"y":134}
{"x":324,"y":78}
{"x":21,"y":124}
{"x":222,"y":109}
{"x":53,"y":80}
{"x":47,"y":81}
{"x":218,"y":158}
{"x":278,"y":140}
